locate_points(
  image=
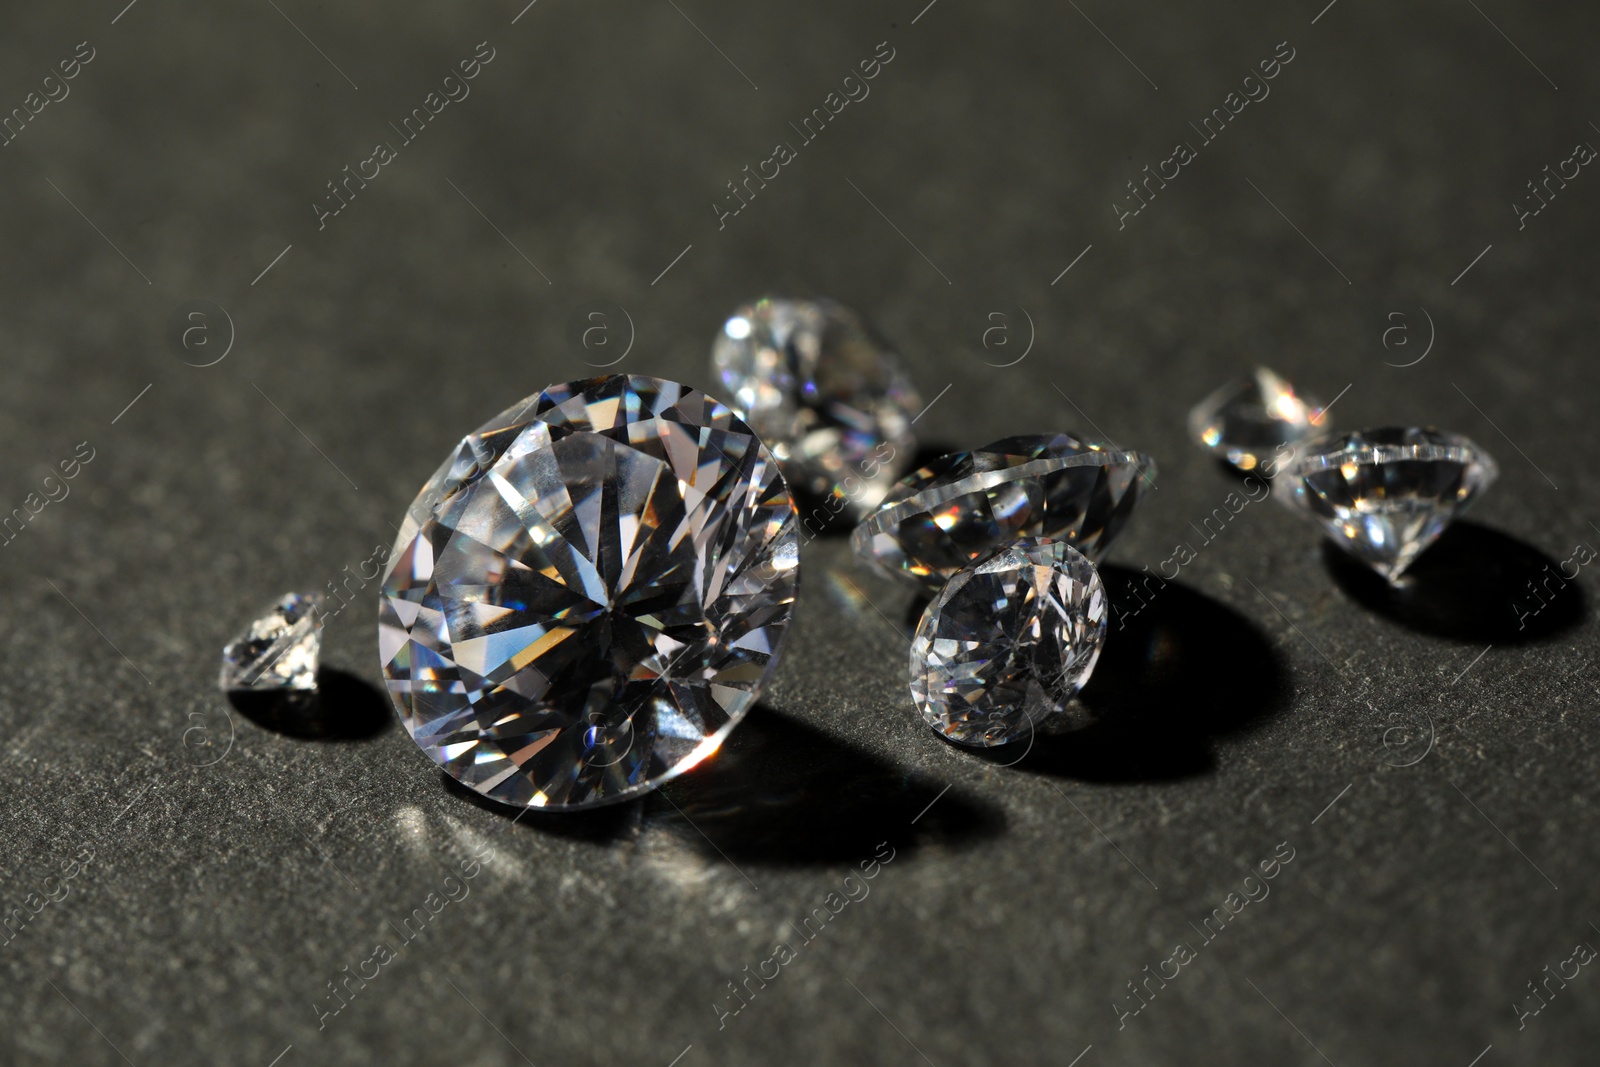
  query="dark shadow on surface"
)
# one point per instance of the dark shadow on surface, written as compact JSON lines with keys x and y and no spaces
{"x":342,"y":708}
{"x":784,"y":793}
{"x":778,"y":793}
{"x":1178,"y":672}
{"x":1472,"y":584}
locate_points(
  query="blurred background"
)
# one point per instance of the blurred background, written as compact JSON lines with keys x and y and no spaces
{"x":1390,"y":205}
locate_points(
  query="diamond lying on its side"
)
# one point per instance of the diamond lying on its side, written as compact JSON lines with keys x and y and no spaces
{"x":589,"y":593}
{"x":965,"y":505}
{"x":1008,"y":642}
{"x":824,"y":392}
{"x":1385,"y":495}
{"x":1247,"y":420}
{"x":280,"y":648}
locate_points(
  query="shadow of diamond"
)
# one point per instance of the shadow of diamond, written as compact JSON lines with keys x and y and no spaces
{"x":778,"y":793}
{"x":1179,"y":672}
{"x":342,"y":708}
{"x":782,"y":792}
{"x":1472,"y":584}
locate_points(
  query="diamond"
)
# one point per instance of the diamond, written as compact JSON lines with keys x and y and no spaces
{"x":1385,"y":495}
{"x":279,"y":649}
{"x":963,"y":506}
{"x":1247,"y":420}
{"x":825,"y":393}
{"x":590,"y":593}
{"x":1008,"y":642}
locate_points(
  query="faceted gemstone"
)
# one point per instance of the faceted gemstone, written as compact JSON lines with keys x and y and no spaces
{"x":590,"y":592}
{"x":963,"y":506}
{"x":1247,"y":420}
{"x":279,"y":649}
{"x":825,"y":393}
{"x":1008,"y":642}
{"x":1385,"y":495}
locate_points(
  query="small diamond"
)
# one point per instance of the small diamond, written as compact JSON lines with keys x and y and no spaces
{"x":965,"y":505}
{"x":590,"y":593}
{"x":1246,"y":421}
{"x":1385,"y":495}
{"x":824,"y":392}
{"x":1008,"y":642}
{"x":279,"y":650}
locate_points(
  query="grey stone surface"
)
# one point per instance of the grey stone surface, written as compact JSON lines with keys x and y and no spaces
{"x":243,"y":857}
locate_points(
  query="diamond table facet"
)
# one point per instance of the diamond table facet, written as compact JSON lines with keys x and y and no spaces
{"x":965,"y":505}
{"x":590,"y":593}
{"x":1385,"y":495}
{"x":825,"y":393}
{"x":279,"y":649}
{"x":1247,"y":420}
{"x":1008,"y":642}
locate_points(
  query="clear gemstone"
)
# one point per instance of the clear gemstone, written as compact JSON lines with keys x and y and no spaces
{"x":1385,"y":495}
{"x":1008,"y":642}
{"x":825,"y":393}
{"x":590,"y":592}
{"x":279,"y":649}
{"x":965,"y":505}
{"x":1247,"y":420}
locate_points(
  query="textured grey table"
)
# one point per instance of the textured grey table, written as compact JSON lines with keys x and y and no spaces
{"x":186,"y":882}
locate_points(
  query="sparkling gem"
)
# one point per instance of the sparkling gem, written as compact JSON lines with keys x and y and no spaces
{"x":825,"y":393}
{"x":1246,"y":421}
{"x":1385,"y":495}
{"x":279,"y":649}
{"x":590,"y":593}
{"x":965,"y":505}
{"x":1008,"y":642}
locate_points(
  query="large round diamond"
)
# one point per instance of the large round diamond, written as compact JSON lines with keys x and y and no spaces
{"x":1385,"y":495}
{"x":825,"y":392}
{"x":1008,"y":642}
{"x":590,"y":593}
{"x":963,"y":506}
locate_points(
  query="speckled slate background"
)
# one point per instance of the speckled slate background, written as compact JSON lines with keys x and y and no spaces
{"x":1429,"y":763}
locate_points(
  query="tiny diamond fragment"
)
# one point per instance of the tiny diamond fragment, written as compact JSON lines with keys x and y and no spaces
{"x":1385,"y":495}
{"x":1247,"y":420}
{"x":824,"y":392}
{"x":589,"y":593}
{"x":1008,"y":642}
{"x":963,"y":506}
{"x":280,"y":648}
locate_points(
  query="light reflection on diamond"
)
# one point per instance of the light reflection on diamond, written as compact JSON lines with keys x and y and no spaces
{"x":1249,"y":419}
{"x":1008,"y":642}
{"x":280,"y":649}
{"x":590,"y":593}
{"x":826,"y":394}
{"x":1385,"y":495}
{"x":965,"y":505}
